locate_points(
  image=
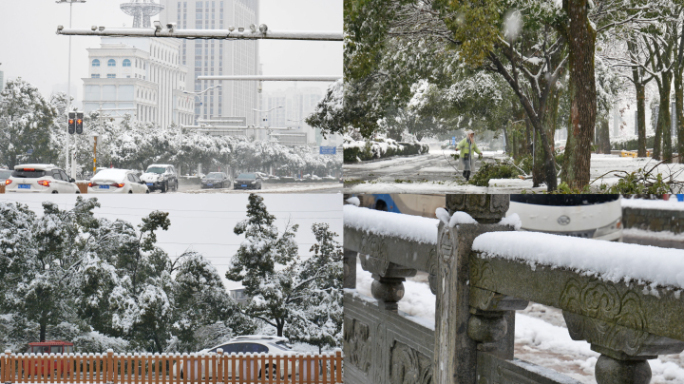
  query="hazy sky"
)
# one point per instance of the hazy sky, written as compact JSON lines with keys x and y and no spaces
{"x":29,"y":47}
{"x":204,"y":223}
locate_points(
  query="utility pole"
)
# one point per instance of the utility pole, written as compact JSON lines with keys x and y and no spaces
{"x":71,"y":6}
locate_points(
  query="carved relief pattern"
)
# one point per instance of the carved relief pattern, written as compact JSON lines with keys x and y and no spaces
{"x":481,"y":274}
{"x":604,"y":307}
{"x":409,"y":366}
{"x":380,"y":353}
{"x":357,"y":344}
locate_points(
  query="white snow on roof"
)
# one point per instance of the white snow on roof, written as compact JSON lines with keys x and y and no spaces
{"x":407,"y":227}
{"x":666,"y":205}
{"x":41,"y":167}
{"x":609,"y":261}
{"x":111,"y":174}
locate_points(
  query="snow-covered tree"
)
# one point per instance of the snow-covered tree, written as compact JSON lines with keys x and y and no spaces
{"x":26,"y":122}
{"x":318,"y":315}
{"x":266,"y":264}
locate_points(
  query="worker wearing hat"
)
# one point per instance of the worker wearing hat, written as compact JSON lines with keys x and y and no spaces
{"x":467,"y":146}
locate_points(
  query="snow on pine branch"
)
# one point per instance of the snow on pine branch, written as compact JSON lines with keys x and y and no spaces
{"x":609,"y":261}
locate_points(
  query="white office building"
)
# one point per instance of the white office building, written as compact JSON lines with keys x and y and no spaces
{"x":138,"y":76}
{"x":218,"y":57}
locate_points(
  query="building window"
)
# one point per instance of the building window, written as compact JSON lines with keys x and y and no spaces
{"x":111,"y":76}
{"x":126,"y":63}
{"x":95,"y":76}
{"x":111,"y":63}
{"x":96,"y":63}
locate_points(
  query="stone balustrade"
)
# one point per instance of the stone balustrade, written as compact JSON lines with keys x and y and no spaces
{"x":477,"y":294}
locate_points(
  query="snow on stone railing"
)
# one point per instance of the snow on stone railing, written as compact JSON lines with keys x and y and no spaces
{"x":625,"y":300}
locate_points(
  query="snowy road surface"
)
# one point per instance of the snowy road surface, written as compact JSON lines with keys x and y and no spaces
{"x":541,"y":336}
{"x":437,"y":172}
{"x":299,"y":187}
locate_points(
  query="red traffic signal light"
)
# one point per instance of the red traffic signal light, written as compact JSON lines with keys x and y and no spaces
{"x":72,"y":123}
{"x":79,"y":123}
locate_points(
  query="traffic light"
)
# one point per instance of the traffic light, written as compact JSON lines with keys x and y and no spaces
{"x":72,"y":123}
{"x":79,"y":123}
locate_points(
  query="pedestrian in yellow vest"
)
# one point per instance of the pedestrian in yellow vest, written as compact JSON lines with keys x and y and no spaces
{"x":467,"y":146}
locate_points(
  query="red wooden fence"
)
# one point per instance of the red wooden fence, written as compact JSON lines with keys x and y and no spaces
{"x":148,"y":368}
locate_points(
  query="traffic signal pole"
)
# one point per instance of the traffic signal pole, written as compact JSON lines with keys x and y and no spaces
{"x":67,"y":168}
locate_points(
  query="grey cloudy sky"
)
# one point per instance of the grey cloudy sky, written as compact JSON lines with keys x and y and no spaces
{"x":29,"y":47}
{"x":204,"y":223}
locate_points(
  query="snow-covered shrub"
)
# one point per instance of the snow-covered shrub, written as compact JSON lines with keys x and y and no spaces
{"x":379,"y":147}
{"x":95,"y":342}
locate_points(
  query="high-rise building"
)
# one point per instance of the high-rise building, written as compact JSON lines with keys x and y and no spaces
{"x":141,"y":77}
{"x":218,"y":57}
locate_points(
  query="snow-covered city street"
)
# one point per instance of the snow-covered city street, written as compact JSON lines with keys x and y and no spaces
{"x":438,"y":172}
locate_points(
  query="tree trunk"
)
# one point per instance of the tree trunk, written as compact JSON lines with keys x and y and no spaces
{"x":43,"y":330}
{"x":665,"y":117}
{"x":641,"y":103}
{"x":603,"y":136}
{"x":582,"y":88}
{"x":679,"y":113}
{"x":641,"y":116}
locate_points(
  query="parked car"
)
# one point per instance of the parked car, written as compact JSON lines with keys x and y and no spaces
{"x":114,"y":180}
{"x":269,"y":345}
{"x":588,"y":216}
{"x":40,"y":178}
{"x":215,"y":180}
{"x":161,"y":177}
{"x":247,"y":181}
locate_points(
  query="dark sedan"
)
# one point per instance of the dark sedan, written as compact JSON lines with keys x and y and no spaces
{"x":215,"y":180}
{"x":247,"y":181}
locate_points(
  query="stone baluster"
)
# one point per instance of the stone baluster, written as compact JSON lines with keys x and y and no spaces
{"x":388,"y":281}
{"x":624,"y":351}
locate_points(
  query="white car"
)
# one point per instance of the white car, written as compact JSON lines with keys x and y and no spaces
{"x":117,"y":181}
{"x":268,"y":345}
{"x":40,"y":178}
{"x":160,"y":177}
{"x":587,"y":216}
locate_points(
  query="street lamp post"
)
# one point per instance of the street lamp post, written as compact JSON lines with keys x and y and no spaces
{"x":71,"y":6}
{"x":197,"y":94}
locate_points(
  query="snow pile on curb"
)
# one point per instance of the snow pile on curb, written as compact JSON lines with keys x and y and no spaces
{"x":609,"y":261}
{"x":665,"y":205}
{"x":407,"y":227}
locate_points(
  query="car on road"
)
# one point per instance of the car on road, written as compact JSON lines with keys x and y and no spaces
{"x":114,"y":180}
{"x":40,"y":178}
{"x":160,"y":177}
{"x":587,"y":216}
{"x":215,"y":180}
{"x":247,"y":181}
{"x":255,"y":344}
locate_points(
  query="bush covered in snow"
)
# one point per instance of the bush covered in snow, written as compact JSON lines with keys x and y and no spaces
{"x":379,"y":147}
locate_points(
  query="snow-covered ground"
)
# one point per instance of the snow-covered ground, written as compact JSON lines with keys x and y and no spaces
{"x":296,"y":187}
{"x":541,"y":336}
{"x":437,"y":172}
{"x":666,"y":205}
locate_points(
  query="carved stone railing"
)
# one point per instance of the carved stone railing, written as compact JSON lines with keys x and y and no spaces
{"x":476,"y":297}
